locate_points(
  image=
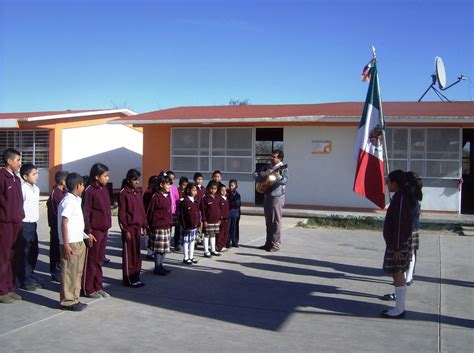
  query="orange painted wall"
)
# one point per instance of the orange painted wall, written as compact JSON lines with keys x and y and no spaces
{"x":156,"y":151}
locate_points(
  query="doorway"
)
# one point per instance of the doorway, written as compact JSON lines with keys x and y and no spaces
{"x":467,"y":194}
{"x":267,"y":140}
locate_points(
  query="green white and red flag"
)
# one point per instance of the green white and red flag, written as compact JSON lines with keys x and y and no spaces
{"x":369,"y":180}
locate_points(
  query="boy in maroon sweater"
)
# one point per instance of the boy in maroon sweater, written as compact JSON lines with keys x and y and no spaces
{"x":132,"y":219}
{"x":97,"y":220}
{"x":223,"y":236}
{"x":11,"y":217}
{"x":190,"y":220}
{"x":234,"y":216}
{"x":159,"y":219}
{"x":58,"y":192}
{"x":211,"y":218}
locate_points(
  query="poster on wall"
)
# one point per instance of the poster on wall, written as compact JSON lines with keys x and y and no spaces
{"x":321,"y":147}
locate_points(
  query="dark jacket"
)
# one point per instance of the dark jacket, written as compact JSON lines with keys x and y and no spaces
{"x":159,"y":212}
{"x":131,"y":211}
{"x":189,"y":213}
{"x":210,"y":209}
{"x":96,"y":208}
{"x":147,"y":195}
{"x":200,"y":194}
{"x":55,"y":198}
{"x":398,"y":223}
{"x":224,"y":205}
{"x":234,"y":200}
{"x":11,"y":198}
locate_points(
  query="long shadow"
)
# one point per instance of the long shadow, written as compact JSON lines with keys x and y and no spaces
{"x":358,"y":270}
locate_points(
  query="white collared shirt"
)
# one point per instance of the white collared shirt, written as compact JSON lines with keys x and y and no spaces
{"x":70,"y":207}
{"x":31,"y":195}
{"x":191,"y":198}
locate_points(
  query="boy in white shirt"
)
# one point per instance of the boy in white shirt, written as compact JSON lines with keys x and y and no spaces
{"x":27,"y":244}
{"x":72,"y":247}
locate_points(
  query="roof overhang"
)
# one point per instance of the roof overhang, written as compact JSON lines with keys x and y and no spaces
{"x":126,"y":112}
{"x":8,"y":123}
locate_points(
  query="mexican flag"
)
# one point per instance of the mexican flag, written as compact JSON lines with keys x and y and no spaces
{"x":369,"y":178}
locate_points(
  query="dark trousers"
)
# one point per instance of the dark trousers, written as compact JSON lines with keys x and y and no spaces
{"x":92,"y":280}
{"x":9,"y":234}
{"x":233,"y":231}
{"x":54,"y":253}
{"x":223,"y":236}
{"x":177,"y":242}
{"x":27,"y":254}
{"x":131,"y":257}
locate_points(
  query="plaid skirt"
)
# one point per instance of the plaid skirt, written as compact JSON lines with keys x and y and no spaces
{"x":390,"y":265}
{"x":189,"y":235}
{"x":212,"y":229}
{"x":415,"y":239}
{"x":159,"y":240}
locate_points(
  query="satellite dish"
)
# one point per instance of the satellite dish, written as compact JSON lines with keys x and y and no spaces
{"x":440,"y":72}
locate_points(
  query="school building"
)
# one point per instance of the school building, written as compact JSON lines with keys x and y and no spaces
{"x":73,"y":141}
{"x":430,"y":138}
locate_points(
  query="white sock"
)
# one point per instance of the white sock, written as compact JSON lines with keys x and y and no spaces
{"x":191,"y":250}
{"x":399,"y":308}
{"x":213,"y":244}
{"x":206,"y":245}
{"x":411,"y":269}
{"x":186,"y":250}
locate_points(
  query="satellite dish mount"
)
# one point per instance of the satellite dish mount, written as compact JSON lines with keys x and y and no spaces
{"x":440,"y":77}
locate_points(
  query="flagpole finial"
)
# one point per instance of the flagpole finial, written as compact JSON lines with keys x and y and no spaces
{"x":374,"y":57}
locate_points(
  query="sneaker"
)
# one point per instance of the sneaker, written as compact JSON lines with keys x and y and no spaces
{"x":15,"y":296}
{"x":215,"y":253}
{"x":138,"y":284}
{"x":6,"y":299}
{"x":103,"y":293}
{"x":388,"y":297}
{"x":94,"y":295}
{"x":75,"y":307}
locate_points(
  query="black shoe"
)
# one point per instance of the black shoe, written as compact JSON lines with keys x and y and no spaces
{"x":75,"y":307}
{"x":389,"y":297}
{"x":187,"y":262}
{"x":106,"y":260}
{"x":272,"y":249}
{"x":208,"y":255}
{"x":55,"y":278}
{"x":385,"y":315}
{"x":166,"y":270}
{"x":215,"y":253}
{"x":263,"y":247}
{"x":29,"y":288}
{"x":160,"y":272}
{"x":236,"y":246}
{"x":137,"y":285}
{"x":38,"y":285}
{"x":409,"y":283}
{"x":194,"y":261}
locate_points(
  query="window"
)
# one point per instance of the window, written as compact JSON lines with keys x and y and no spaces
{"x":33,"y":145}
{"x":431,"y":152}
{"x":207,"y":149}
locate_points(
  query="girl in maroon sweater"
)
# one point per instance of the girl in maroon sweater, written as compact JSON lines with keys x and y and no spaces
{"x":159,"y":219}
{"x":211,"y":218}
{"x":97,"y":220}
{"x":189,"y":219}
{"x":223,"y":236}
{"x":397,"y":235}
{"x":147,"y":195}
{"x":132,"y":219}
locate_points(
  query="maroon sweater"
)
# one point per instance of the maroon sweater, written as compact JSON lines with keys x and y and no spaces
{"x":11,"y":198}
{"x":224,"y":204}
{"x":200,"y":194}
{"x":131,"y":212}
{"x":53,"y":202}
{"x":398,"y":223}
{"x":189,"y":213}
{"x":210,"y":209}
{"x":147,"y":195}
{"x":96,"y":208}
{"x":159,"y":211}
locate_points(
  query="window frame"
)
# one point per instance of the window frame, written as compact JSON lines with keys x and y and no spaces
{"x":18,"y":144}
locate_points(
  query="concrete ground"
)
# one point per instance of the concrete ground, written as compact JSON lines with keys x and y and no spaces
{"x":318,"y":294}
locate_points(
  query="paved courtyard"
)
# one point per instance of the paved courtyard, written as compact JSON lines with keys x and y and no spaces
{"x":318,"y":294}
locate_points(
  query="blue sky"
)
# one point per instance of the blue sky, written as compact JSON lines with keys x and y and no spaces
{"x":150,"y":55}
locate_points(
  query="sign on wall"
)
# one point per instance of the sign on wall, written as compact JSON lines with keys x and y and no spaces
{"x":321,"y":147}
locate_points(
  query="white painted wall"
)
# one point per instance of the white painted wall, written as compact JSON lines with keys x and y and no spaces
{"x":117,"y":146}
{"x":327,"y":179}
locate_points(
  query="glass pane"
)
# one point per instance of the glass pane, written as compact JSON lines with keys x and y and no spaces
{"x":442,"y":143}
{"x":218,"y":139}
{"x":397,"y":164}
{"x":218,"y":163}
{"x":239,"y":165}
{"x":442,"y":169}
{"x":204,"y":138}
{"x":204,"y":164}
{"x":185,"y":164}
{"x":466,"y":159}
{"x":263,"y":147}
{"x":185,"y":141}
{"x":239,"y":152}
{"x":239,"y":139}
{"x":278,"y":145}
{"x":418,"y":167}
{"x":397,"y":143}
{"x":418,"y":143}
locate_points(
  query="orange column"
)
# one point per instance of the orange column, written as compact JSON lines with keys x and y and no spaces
{"x":55,"y":152}
{"x":156,"y":150}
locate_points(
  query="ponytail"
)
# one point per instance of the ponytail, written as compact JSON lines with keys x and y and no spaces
{"x":414,"y":186}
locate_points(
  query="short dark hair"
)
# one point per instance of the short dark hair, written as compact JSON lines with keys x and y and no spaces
{"x":183,"y":179}
{"x":220,"y":186}
{"x":279,"y":154}
{"x":73,"y":180}
{"x":26,"y":169}
{"x":170,"y":172}
{"x":189,"y":187}
{"x":211,"y":184}
{"x":197,"y":175}
{"x":152,"y":180}
{"x":97,"y":170}
{"x":131,"y":175}
{"x":60,"y":176}
{"x":10,"y":153}
{"x":216,"y":172}
{"x":233,"y":181}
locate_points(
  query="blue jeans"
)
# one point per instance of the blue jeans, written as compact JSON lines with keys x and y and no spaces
{"x":234,"y":230}
{"x":27,"y":254}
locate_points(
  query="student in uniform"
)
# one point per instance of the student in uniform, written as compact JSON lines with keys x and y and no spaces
{"x":72,"y":248}
{"x":415,"y":185}
{"x":11,"y":217}
{"x":211,"y":219}
{"x":397,"y":235}
{"x":58,"y":192}
{"x":98,"y":220}
{"x":132,"y":221}
{"x":178,"y":228}
{"x":217,"y":177}
{"x":27,"y":243}
{"x":190,"y":219}
{"x":147,"y":195}
{"x":159,"y":219}
{"x":223,"y":236}
{"x":201,"y":191}
{"x":234,"y":214}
